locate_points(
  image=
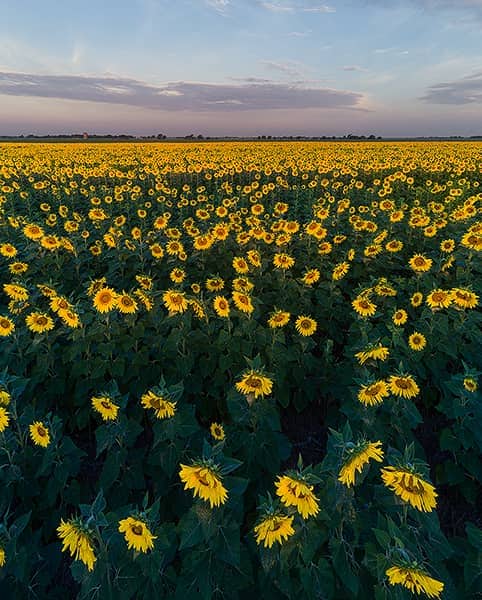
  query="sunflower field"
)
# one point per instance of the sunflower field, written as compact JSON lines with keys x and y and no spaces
{"x":240,"y":368}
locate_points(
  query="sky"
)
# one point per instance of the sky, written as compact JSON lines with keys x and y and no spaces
{"x":241,"y":67}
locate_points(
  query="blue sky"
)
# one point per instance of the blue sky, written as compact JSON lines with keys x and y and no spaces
{"x":242,"y":67}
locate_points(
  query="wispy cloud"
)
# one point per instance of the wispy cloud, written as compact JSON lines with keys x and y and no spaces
{"x":297,"y":7}
{"x":467,"y":90}
{"x":354,"y":68}
{"x":180,"y":95}
{"x":218,"y":5}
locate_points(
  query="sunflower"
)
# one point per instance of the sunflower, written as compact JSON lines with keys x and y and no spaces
{"x":273,"y":528}
{"x":279,"y":318}
{"x":447,"y":245}
{"x":5,"y":398}
{"x":15,"y":292}
{"x":126,"y":304}
{"x":253,"y":382}
{"x":217,"y":431}
{"x":17,"y":268}
{"x":77,"y":539}
{"x":105,"y":407}
{"x":464,"y":298}
{"x":311,"y":277}
{"x":373,"y":393}
{"x":415,"y":579}
{"x":340,"y":271}
{"x":400,"y":317}
{"x":177,"y":275}
{"x":410,"y":487}
{"x":472,"y":240}
{"x":105,"y":299}
{"x":6,"y":326}
{"x":4,"y":419}
{"x":204,"y":479}
{"x":420,"y":264}
{"x":163,"y":407}
{"x":214,"y":284}
{"x":439,"y":299}
{"x":59,"y":303}
{"x":157,"y":251}
{"x":39,"y":434}
{"x":8,"y":250}
{"x":470,"y":384}
{"x":2,"y":557}
{"x":283,"y":261}
{"x":417,"y":341}
{"x":39,"y":322}
{"x":137,"y":534}
{"x":306,"y":326}
{"x":403,"y":386}
{"x":394,"y":246}
{"x":175,"y":301}
{"x":295,"y":491}
{"x":240,"y":265}
{"x":33,"y":232}
{"x":243,"y":302}
{"x":221,"y":306}
{"x":70,"y":318}
{"x":377,"y":352}
{"x":357,"y":457}
{"x":364,"y":307}
{"x":417,"y":299}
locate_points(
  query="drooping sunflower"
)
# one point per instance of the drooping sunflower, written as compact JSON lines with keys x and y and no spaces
{"x":305,"y":326}
{"x":221,"y":306}
{"x":163,"y":408}
{"x":70,"y":318}
{"x":274,"y":528}
{"x":295,"y":491}
{"x":253,"y":382}
{"x":377,"y":352}
{"x":137,"y":534}
{"x":105,"y":407}
{"x":39,"y":434}
{"x":39,"y":322}
{"x":105,"y":300}
{"x":6,"y":326}
{"x":340,"y":271}
{"x":174,"y":301}
{"x":417,"y":341}
{"x":356,"y":458}
{"x":373,"y":393}
{"x":77,"y":539}
{"x":279,"y":318}
{"x":415,"y":579}
{"x":204,"y":478}
{"x":15,"y":291}
{"x":5,"y":397}
{"x":283,"y":261}
{"x":410,"y":487}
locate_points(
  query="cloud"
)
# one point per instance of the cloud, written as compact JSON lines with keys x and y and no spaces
{"x":291,"y":68}
{"x":473,"y":7}
{"x":296,"y":7}
{"x":180,"y":95}
{"x":218,"y":5}
{"x":467,"y":90}
{"x":354,"y":68}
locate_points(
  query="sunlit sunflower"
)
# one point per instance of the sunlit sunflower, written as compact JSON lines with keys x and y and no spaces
{"x":378,"y":352}
{"x":373,"y":393}
{"x":415,"y":579}
{"x":464,"y":298}
{"x":364,"y":307}
{"x":126,"y":304}
{"x":420,"y":263}
{"x":470,"y":384}
{"x":175,"y":301}
{"x":400,"y":317}
{"x":254,"y":383}
{"x":15,"y":292}
{"x":105,"y":300}
{"x":39,"y":322}
{"x":243,"y":302}
{"x":273,"y":528}
{"x":279,"y":318}
{"x":447,"y":245}
{"x":39,"y":434}
{"x":163,"y":408}
{"x":217,"y":431}
{"x":295,"y":491}
{"x":305,"y":326}
{"x":340,"y":271}
{"x":417,"y":341}
{"x":410,"y":487}
{"x":137,"y":534}
{"x":105,"y":407}
{"x":221,"y":306}
{"x":417,"y":299}
{"x":4,"y":419}
{"x":439,"y":299}
{"x":357,"y":456}
{"x":403,"y":386}
{"x":204,"y":478}
{"x":311,"y":277}
{"x":7,"y":326}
